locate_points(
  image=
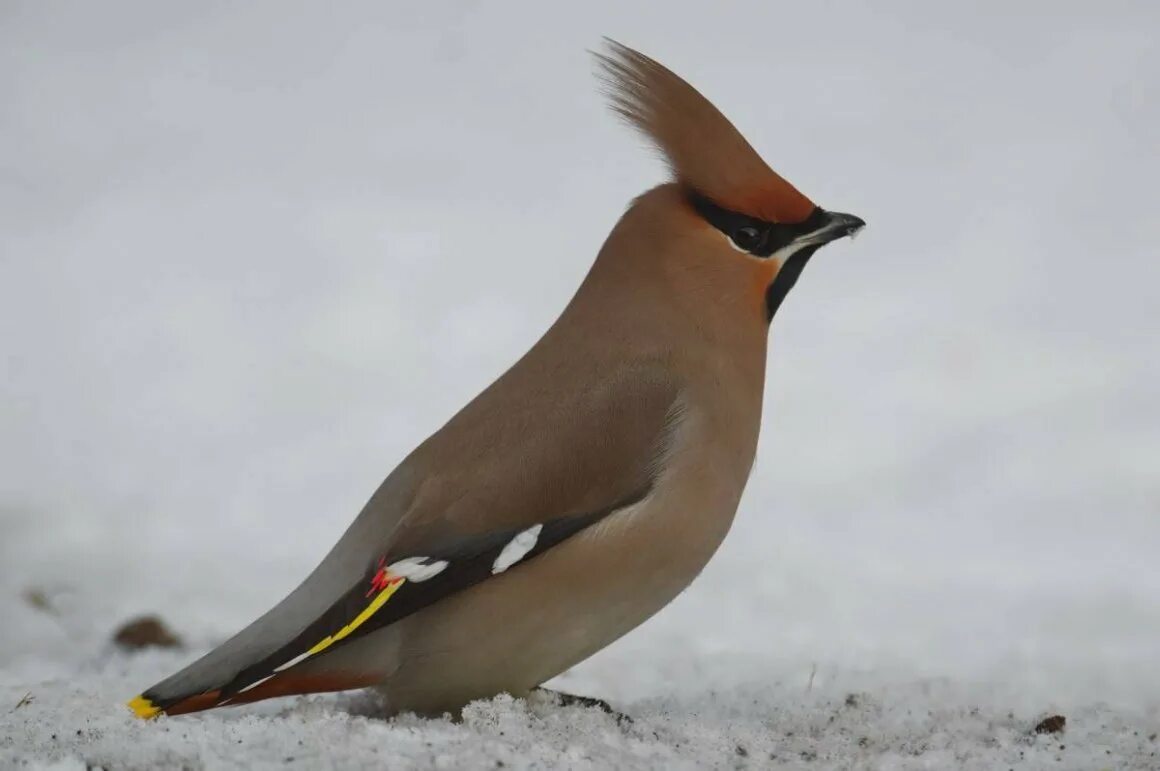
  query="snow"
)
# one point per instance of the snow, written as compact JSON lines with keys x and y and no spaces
{"x":751,"y":726}
{"x":250,"y":256}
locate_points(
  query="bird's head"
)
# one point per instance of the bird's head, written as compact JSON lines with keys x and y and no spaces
{"x":728,"y":201}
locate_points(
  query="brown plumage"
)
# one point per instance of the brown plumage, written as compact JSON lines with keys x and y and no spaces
{"x":702,"y":148}
{"x":588,"y":485}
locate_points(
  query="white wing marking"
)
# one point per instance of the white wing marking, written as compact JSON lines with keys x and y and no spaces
{"x":416,"y":569}
{"x":523,"y":542}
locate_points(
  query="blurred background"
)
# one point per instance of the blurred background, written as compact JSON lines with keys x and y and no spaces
{"x":251,"y":254}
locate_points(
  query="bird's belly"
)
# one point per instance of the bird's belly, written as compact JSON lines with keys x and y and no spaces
{"x":519,"y":629}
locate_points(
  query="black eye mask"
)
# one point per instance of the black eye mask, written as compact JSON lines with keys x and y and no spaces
{"x":750,"y":234}
{"x":761,"y":239}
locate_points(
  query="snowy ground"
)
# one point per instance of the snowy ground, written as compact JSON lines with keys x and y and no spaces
{"x":251,"y":254}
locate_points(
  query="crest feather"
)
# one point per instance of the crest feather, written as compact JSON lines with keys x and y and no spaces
{"x":703,"y":149}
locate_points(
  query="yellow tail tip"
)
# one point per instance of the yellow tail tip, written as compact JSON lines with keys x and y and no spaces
{"x":143,"y":708}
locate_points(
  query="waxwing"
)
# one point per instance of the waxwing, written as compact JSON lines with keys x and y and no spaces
{"x":585,"y":488}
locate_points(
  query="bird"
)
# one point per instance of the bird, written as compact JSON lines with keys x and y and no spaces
{"x":589,"y":484}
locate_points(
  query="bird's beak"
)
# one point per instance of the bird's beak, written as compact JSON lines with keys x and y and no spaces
{"x":838,"y":225}
{"x":826,"y":226}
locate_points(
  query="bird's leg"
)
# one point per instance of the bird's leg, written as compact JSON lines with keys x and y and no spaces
{"x":572,"y":700}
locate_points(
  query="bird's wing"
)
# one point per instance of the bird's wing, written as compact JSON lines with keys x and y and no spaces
{"x":484,"y":495}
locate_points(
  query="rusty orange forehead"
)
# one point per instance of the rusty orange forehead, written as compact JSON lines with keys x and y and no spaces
{"x":773,"y":201}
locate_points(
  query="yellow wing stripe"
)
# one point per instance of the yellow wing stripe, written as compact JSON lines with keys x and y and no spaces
{"x":378,"y":602}
{"x":146,"y":709}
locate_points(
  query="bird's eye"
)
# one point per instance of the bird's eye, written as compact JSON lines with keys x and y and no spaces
{"x":746,"y":238}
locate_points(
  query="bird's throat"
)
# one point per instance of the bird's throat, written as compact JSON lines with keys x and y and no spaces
{"x":786,"y":277}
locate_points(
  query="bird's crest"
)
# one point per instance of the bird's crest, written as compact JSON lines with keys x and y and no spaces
{"x":705,"y":152}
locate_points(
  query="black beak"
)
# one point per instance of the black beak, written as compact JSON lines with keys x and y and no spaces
{"x":840,"y":225}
